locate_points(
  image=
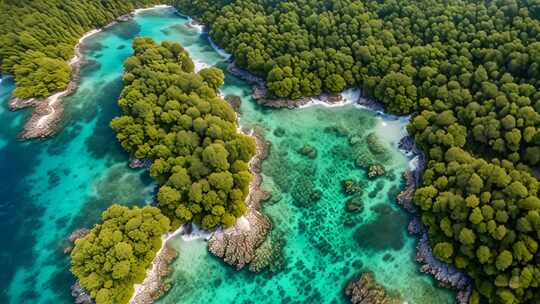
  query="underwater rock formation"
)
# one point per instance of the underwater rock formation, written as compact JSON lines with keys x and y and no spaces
{"x":351,"y":186}
{"x":376,"y":170}
{"x":309,"y":151}
{"x":366,"y":290}
{"x":355,"y":204}
{"x":80,"y":294}
{"x":268,"y":256}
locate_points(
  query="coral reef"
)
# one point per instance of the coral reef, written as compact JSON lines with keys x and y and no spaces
{"x":365,"y":290}
{"x":376,"y":170}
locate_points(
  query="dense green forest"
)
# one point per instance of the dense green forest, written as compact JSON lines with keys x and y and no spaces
{"x":175,"y":118}
{"x":115,"y":255}
{"x":468,"y":72}
{"x":37,"y":38}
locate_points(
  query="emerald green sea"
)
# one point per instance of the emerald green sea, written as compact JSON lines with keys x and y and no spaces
{"x":52,"y":187}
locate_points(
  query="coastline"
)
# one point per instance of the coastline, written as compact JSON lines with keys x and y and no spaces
{"x":446,"y":275}
{"x":237,"y":245}
{"x":152,"y":287}
{"x":46,"y":115}
{"x":229,"y":244}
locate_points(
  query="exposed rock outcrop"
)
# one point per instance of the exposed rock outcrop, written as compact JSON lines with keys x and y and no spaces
{"x":75,"y":235}
{"x":366,"y":290}
{"x":447,"y":275}
{"x":80,"y":295}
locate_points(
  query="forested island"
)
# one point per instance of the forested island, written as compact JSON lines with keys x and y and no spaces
{"x":174,"y":118}
{"x":466,"y":71}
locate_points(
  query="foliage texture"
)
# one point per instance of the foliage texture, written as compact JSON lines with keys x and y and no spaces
{"x":115,"y":255}
{"x":174,"y":117}
{"x":37,"y":38}
{"x":468,"y":72}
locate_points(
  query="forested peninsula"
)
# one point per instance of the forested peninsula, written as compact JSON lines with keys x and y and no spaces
{"x":174,"y":118}
{"x":37,"y":38}
{"x":467,"y":72}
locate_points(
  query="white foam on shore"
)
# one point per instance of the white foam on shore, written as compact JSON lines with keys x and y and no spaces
{"x":139,"y":10}
{"x":193,"y":24}
{"x":152,"y":271}
{"x":199,"y":65}
{"x":349,"y":96}
{"x":414,"y":163}
{"x":196,"y":234}
{"x":219,"y":50}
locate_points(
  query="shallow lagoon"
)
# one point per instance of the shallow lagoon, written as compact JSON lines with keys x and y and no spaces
{"x":55,"y":186}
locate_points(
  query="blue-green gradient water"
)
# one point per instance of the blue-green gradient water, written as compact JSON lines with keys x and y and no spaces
{"x":51,"y":187}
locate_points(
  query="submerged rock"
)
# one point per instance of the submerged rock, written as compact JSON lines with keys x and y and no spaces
{"x":376,"y":170}
{"x":365,"y":290}
{"x":268,"y":256}
{"x":80,"y":294}
{"x":355,"y":204}
{"x":308,"y":151}
{"x":351,"y":186}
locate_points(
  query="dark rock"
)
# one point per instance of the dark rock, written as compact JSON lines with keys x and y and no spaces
{"x":308,"y":151}
{"x":376,"y":170}
{"x":234,"y":101}
{"x":365,"y":290}
{"x":80,"y":294}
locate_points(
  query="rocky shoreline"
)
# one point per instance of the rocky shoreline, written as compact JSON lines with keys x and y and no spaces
{"x":447,"y":275}
{"x":260,"y":92}
{"x":237,"y":245}
{"x":153,"y":285}
{"x":47,"y":112}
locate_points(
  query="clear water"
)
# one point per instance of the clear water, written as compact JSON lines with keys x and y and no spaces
{"x":52,"y":187}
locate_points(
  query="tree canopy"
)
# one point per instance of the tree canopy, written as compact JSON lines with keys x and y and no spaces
{"x":37,"y":38}
{"x":467,"y":71}
{"x":175,"y":118}
{"x":115,"y":254}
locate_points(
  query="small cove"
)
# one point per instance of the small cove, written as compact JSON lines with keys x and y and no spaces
{"x":55,"y":186}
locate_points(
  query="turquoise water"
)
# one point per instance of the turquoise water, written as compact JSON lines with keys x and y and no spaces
{"x":51,"y":187}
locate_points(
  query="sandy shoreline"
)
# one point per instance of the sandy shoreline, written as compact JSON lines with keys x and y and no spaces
{"x":47,"y":112}
{"x":152,"y":286}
